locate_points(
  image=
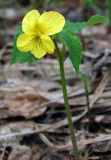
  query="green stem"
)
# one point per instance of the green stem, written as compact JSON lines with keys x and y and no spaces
{"x":88,"y":104}
{"x":66,"y":103}
{"x":86,"y":84}
{"x":109,"y":4}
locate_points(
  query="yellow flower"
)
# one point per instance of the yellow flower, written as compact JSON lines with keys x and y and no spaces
{"x":37,"y":29}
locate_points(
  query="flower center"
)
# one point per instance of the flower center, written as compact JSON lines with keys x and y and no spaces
{"x":37,"y":37}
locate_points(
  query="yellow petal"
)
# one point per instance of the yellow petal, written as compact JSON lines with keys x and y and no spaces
{"x":47,"y":43}
{"x":30,"y":20}
{"x":51,"y":22}
{"x":25,"y":43}
{"x":38,"y":51}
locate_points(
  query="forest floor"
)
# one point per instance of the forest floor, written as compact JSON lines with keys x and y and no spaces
{"x":33,"y":124}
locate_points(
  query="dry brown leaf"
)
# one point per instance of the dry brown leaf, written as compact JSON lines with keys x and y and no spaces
{"x":20,"y":153}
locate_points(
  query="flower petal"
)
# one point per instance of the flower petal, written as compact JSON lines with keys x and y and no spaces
{"x":30,"y":20}
{"x":25,"y":43}
{"x":38,"y":51}
{"x":47,"y":43}
{"x":43,"y":45}
{"x":51,"y":22}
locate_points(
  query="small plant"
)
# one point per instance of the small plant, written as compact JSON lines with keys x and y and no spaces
{"x":92,"y":7}
{"x":85,"y":81}
{"x":109,"y":5}
{"x":39,"y":34}
{"x":88,"y":3}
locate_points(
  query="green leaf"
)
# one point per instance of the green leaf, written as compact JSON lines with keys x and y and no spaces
{"x":75,"y":27}
{"x":95,"y":20}
{"x":18,"y":56}
{"x":88,"y":3}
{"x":109,"y":8}
{"x":74,"y":46}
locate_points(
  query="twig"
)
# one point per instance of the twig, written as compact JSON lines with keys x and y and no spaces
{"x":62,"y":123}
{"x":96,"y":96}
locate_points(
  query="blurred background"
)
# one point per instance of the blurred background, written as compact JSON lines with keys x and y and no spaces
{"x":33,"y":123}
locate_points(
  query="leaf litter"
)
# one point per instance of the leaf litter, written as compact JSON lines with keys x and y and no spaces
{"x":33,"y":123}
